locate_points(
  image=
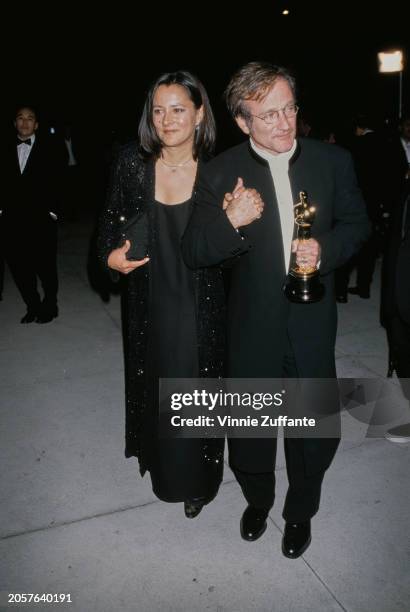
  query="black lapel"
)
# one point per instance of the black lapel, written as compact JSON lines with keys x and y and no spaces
{"x":13,"y":153}
{"x":293,"y":172}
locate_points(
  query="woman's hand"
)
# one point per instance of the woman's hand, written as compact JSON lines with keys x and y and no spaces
{"x":238,"y":190}
{"x":117,"y":260}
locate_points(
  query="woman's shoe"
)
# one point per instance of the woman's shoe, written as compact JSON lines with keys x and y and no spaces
{"x":193,"y":507}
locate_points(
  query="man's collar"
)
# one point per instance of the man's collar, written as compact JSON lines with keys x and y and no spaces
{"x":32,"y":138}
{"x":263,"y":156}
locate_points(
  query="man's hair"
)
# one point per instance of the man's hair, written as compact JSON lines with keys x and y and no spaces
{"x":364,"y":121}
{"x":28,"y":107}
{"x":205,"y":135}
{"x":253,"y":82}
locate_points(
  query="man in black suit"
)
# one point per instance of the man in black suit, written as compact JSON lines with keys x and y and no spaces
{"x":395,"y":304}
{"x":398,"y":157}
{"x":29,"y":218}
{"x":370,"y":159}
{"x":269,"y":337}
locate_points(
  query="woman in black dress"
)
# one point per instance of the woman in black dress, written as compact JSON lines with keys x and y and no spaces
{"x":173,"y":317}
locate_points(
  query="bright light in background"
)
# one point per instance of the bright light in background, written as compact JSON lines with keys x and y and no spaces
{"x":285,"y":12}
{"x":393,"y":62}
{"x":390,"y":62}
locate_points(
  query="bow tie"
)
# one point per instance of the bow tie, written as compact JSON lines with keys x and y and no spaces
{"x":27,"y":142}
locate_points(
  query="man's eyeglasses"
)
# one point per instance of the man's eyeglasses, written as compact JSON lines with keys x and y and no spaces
{"x":271,"y":117}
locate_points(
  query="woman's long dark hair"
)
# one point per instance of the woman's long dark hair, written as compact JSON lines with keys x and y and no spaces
{"x":205,"y":135}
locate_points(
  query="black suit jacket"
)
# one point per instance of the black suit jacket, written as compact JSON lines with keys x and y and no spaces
{"x":371,"y":165}
{"x":260,"y":318}
{"x":397,"y":167}
{"x":396,"y":265}
{"x":259,"y":313}
{"x":33,"y":193}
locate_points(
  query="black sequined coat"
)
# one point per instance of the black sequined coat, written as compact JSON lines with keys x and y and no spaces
{"x":131,"y":190}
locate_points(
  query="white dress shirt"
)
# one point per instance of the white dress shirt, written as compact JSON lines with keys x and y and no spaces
{"x":406,"y":147}
{"x":69,"y":145}
{"x":23,"y":152}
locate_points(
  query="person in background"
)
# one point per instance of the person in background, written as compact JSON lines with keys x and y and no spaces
{"x":370,"y":159}
{"x":398,"y":158}
{"x":395,"y":305}
{"x":32,"y":175}
{"x":72,"y":197}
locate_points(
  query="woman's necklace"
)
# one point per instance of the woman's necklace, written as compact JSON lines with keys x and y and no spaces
{"x":175,"y":166}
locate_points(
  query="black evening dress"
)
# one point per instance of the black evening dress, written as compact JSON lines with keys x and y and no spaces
{"x":177,"y":467}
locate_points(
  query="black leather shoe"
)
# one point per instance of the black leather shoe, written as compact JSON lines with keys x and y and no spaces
{"x":342,"y":299}
{"x":253,"y":523}
{"x":296,"y":539}
{"x":193,"y":507}
{"x":47,"y":313}
{"x":30,"y":316}
{"x":363,"y":293}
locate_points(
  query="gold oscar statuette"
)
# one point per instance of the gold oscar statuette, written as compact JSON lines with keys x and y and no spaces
{"x":303,"y":284}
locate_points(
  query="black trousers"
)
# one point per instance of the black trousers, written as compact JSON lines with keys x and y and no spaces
{"x":364,"y":262}
{"x":398,"y":332}
{"x":34,"y":258}
{"x":303,"y":495}
{"x":1,"y":274}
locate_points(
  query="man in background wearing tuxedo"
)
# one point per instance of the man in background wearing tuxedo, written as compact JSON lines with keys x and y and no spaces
{"x":29,"y":219}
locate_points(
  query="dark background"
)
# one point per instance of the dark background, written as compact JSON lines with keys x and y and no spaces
{"x":93,"y":69}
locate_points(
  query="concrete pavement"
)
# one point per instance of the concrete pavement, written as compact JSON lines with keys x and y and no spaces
{"x":78,"y":519}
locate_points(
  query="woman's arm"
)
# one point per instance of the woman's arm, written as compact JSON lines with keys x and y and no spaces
{"x":110,"y":255}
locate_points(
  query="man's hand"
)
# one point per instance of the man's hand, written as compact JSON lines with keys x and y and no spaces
{"x":243,"y":205}
{"x":117,"y":260}
{"x":307,"y":252}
